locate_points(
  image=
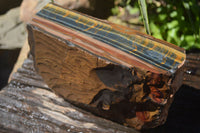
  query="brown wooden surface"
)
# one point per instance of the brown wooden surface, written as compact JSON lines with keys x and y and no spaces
{"x":130,"y":96}
{"x":192,"y":70}
{"x":28,"y":105}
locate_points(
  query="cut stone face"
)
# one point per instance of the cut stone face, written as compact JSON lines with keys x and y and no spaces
{"x":110,"y":70}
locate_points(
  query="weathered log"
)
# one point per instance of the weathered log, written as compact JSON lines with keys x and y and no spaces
{"x":192,"y":70}
{"x":110,"y":70}
{"x":28,"y":105}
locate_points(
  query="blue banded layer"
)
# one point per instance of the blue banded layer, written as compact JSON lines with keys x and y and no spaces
{"x":127,"y":40}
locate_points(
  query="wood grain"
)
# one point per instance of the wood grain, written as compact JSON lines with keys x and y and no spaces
{"x":192,"y":70}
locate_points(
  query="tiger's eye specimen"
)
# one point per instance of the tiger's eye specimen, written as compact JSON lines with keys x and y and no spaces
{"x":107,"y":69}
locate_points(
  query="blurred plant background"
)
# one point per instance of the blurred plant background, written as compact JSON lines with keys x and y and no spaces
{"x":177,"y":22}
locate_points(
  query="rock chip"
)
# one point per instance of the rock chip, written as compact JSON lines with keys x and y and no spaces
{"x":12,"y":30}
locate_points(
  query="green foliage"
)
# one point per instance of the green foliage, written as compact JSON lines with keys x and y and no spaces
{"x":126,"y":12}
{"x":128,"y":5}
{"x":175,"y":21}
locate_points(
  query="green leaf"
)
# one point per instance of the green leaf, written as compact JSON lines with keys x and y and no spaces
{"x":188,"y":42}
{"x":128,"y":2}
{"x":172,"y":24}
{"x":115,"y":10}
{"x":132,"y":10}
{"x":190,"y":39}
{"x":186,"y":5}
{"x":156,"y":31}
{"x":162,"y":17}
{"x":172,"y":36}
{"x":159,"y":9}
{"x":173,"y":14}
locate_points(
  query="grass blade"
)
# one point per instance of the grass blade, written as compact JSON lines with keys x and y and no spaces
{"x":143,"y":10}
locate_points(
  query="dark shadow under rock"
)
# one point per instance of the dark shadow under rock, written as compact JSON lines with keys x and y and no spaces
{"x":8,"y":4}
{"x":7,"y":61}
{"x":183,"y":114}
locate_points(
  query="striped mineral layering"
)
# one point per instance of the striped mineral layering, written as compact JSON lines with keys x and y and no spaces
{"x":111,"y":41}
